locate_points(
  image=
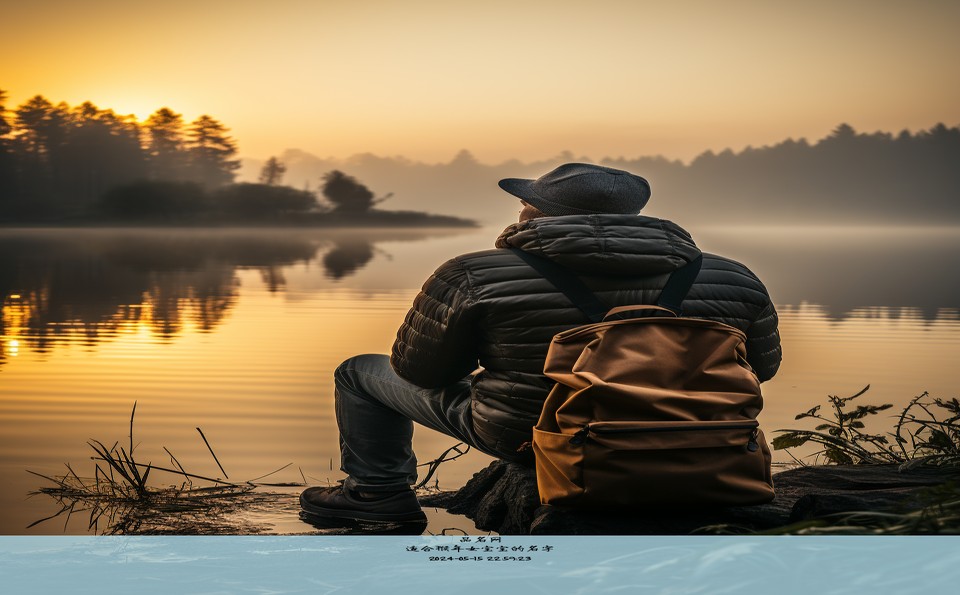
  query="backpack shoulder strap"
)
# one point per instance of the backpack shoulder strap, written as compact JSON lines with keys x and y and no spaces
{"x":679,"y":284}
{"x":568,"y":284}
{"x":671,"y":297}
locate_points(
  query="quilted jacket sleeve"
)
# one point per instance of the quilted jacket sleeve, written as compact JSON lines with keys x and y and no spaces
{"x":763,"y":344}
{"x":437,"y":344}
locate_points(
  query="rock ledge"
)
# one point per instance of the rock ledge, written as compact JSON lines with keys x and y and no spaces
{"x":503,"y":498}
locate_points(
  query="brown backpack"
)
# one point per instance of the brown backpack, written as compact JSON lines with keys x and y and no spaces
{"x":648,"y":408}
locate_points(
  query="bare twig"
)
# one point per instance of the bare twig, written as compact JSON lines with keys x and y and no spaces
{"x":174,"y":460}
{"x":213,"y":453}
{"x":433,"y":465}
{"x":192,"y":475}
{"x":269,"y":474}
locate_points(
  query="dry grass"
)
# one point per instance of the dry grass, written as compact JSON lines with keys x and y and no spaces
{"x":119,"y":499}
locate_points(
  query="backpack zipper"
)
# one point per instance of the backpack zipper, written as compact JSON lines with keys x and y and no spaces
{"x":581,"y":435}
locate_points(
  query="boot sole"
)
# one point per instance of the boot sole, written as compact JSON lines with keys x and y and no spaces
{"x":360,"y":515}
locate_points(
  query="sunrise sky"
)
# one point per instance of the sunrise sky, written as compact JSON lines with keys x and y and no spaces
{"x":503,"y":79}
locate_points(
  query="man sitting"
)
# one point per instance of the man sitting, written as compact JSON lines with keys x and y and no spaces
{"x":490,"y":310}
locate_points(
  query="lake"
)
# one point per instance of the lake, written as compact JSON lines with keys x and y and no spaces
{"x":238,"y":331}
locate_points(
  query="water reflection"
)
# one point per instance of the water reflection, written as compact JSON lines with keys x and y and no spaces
{"x":86,"y":303}
{"x":346,"y":256}
{"x":87,"y":286}
{"x":339,"y":527}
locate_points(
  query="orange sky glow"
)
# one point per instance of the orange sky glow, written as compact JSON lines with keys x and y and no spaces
{"x":424,"y":79}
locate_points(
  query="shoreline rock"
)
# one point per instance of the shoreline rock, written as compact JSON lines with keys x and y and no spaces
{"x":503,"y":498}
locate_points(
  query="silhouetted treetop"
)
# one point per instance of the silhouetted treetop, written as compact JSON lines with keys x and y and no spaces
{"x":843,"y":131}
{"x":272,"y":171}
{"x":41,"y":125}
{"x":165,"y":145}
{"x":212,"y":152}
{"x":346,"y":194}
{"x":4,"y":125}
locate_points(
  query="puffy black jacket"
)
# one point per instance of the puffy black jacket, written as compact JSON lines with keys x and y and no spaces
{"x":491,"y":308}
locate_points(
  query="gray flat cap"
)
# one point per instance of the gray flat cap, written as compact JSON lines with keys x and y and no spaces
{"x":582,"y":189}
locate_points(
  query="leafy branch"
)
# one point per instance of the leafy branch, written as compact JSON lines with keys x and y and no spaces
{"x":919,"y":437}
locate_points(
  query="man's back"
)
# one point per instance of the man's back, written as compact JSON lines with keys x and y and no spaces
{"x":492,"y":309}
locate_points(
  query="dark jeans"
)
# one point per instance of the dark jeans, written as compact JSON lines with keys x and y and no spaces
{"x":375,"y":413}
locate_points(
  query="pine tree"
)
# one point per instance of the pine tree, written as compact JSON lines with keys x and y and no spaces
{"x":8,"y":181}
{"x":40,"y":134}
{"x":42,"y":126}
{"x":101,"y":150}
{"x":4,"y":125}
{"x":272,"y":171}
{"x":211,"y":152}
{"x":165,"y":145}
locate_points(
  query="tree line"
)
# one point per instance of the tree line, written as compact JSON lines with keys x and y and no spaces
{"x":57,"y":159}
{"x":848,"y":176}
{"x":59,"y":162}
{"x":62,"y":163}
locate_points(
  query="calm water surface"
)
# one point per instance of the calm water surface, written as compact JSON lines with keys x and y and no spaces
{"x":239,"y":331}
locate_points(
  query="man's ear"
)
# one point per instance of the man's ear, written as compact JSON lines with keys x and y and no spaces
{"x":530,"y":212}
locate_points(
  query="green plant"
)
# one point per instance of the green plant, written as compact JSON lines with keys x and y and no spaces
{"x":927,"y":432}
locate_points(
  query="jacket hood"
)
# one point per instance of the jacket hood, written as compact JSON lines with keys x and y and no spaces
{"x":626,"y":245}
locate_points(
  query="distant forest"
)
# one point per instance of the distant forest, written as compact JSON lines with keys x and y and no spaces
{"x":60,"y":164}
{"x":845,"y":178}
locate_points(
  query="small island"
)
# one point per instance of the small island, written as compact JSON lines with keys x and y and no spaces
{"x":86,"y":166}
{"x":346,"y":203}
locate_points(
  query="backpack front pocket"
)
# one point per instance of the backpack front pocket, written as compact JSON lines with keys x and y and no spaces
{"x":669,"y":463}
